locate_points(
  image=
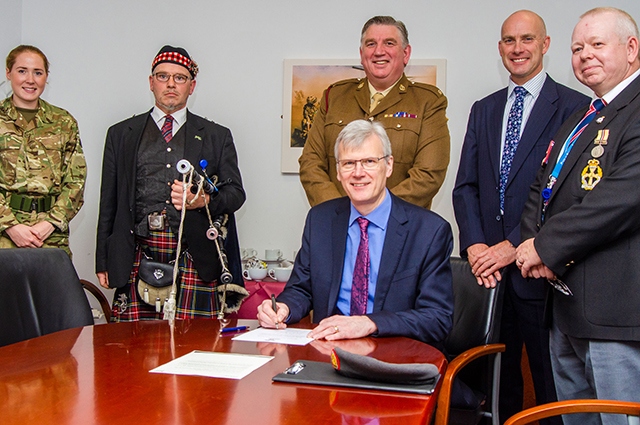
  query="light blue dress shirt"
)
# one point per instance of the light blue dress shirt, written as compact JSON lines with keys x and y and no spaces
{"x":377,"y":231}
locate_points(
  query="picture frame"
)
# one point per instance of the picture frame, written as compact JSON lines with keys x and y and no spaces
{"x":306,"y":79}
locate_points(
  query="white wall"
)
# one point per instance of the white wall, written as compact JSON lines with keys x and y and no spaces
{"x":10,"y":23}
{"x":101,"y":53}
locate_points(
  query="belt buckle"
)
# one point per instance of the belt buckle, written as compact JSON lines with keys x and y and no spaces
{"x":34,"y":205}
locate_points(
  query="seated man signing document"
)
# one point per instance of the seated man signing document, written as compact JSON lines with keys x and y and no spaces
{"x":370,"y":263}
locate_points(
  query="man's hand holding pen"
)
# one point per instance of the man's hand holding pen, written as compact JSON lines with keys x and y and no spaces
{"x":272,"y":314}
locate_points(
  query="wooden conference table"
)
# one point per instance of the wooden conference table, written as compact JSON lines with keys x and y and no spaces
{"x":100,"y":375}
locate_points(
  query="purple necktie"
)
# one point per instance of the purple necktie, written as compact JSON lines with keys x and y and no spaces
{"x":360,"y":285}
{"x":167,"y":128}
{"x":511,"y":139}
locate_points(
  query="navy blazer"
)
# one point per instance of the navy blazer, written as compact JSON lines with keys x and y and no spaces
{"x":115,"y":246}
{"x":414,"y":296}
{"x":590,"y":237}
{"x":476,"y":196}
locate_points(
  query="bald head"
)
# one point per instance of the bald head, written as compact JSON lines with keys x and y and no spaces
{"x":534,"y":20}
{"x":523,"y":43}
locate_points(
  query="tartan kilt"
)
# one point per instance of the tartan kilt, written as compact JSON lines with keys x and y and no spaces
{"x":194,"y":298}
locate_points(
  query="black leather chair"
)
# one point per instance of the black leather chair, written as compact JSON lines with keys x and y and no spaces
{"x":467,"y":396}
{"x":40,"y":293}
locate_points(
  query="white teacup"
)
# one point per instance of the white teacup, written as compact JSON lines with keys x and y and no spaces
{"x":281,"y":274}
{"x":272,"y":254}
{"x":254,"y":274}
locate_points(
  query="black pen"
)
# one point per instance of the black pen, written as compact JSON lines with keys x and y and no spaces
{"x":236,"y":329}
{"x":274,"y":306}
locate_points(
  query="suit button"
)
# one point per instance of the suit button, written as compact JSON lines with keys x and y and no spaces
{"x":498,"y":218}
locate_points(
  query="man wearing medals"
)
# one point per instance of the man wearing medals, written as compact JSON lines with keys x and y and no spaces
{"x":580,"y":226}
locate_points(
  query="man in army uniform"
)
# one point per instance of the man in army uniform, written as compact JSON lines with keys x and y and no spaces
{"x":413,"y":114}
{"x":42,"y":166}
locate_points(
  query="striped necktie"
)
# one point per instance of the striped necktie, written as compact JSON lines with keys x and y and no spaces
{"x":167,"y":128}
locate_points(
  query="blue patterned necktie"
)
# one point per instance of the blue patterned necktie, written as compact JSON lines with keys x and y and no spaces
{"x":167,"y":128}
{"x":512,"y":137}
{"x":360,"y":284}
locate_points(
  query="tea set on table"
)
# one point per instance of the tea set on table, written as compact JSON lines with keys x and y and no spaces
{"x":273,"y":265}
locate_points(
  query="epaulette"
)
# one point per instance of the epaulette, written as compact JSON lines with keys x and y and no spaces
{"x":429,"y":87}
{"x":347,"y":81}
{"x":337,"y":84}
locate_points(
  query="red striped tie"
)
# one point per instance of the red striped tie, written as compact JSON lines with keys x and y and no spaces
{"x":167,"y":128}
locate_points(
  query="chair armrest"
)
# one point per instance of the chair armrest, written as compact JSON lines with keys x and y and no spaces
{"x":444,"y":396}
{"x":574,"y":406}
{"x":102,"y":299}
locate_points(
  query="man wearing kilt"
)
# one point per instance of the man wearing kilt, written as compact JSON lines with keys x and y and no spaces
{"x":141,"y":201}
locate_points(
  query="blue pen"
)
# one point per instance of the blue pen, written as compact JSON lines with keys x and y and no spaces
{"x":236,"y":329}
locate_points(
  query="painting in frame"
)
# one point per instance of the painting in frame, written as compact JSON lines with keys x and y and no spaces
{"x":306,"y":79}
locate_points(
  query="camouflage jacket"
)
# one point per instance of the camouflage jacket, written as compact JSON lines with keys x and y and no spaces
{"x":41,"y":158}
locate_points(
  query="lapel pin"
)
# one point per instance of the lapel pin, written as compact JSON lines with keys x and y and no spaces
{"x":600,"y":119}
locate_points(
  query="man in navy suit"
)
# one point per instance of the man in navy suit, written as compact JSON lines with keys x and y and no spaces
{"x":408,"y":276}
{"x":489,"y":227}
{"x":580,"y":224}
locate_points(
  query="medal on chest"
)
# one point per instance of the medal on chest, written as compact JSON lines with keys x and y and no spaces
{"x":591,"y":174}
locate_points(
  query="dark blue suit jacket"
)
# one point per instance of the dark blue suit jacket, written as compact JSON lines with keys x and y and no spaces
{"x":476,"y":198}
{"x":414,"y":296}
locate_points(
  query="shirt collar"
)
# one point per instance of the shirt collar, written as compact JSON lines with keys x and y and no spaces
{"x":179,"y":117}
{"x":373,"y":91}
{"x":379,"y":216}
{"x":608,"y":97}
{"x":533,"y":86}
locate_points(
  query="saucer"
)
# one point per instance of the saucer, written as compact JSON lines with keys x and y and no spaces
{"x":274,"y":263}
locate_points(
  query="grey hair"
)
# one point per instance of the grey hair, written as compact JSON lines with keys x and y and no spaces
{"x":625,"y":25}
{"x":356,"y":132}
{"x":387,"y":20}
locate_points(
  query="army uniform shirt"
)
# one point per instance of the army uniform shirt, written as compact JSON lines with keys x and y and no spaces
{"x":414,"y":116}
{"x":40,"y":159}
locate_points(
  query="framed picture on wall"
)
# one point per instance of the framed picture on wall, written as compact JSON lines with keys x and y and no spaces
{"x":306,"y":79}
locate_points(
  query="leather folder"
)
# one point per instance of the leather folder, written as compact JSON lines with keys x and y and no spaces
{"x":320,"y":373}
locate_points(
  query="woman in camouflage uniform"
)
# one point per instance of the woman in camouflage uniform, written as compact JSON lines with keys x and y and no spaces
{"x":42,"y":167}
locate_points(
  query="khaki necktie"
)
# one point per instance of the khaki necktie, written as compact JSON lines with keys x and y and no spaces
{"x":377,"y":97}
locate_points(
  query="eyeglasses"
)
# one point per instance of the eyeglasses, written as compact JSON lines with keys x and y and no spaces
{"x":367,"y":163}
{"x":177,"y":78}
{"x":560,"y":286}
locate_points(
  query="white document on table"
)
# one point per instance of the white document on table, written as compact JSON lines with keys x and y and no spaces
{"x":289,"y":336}
{"x":214,"y":365}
